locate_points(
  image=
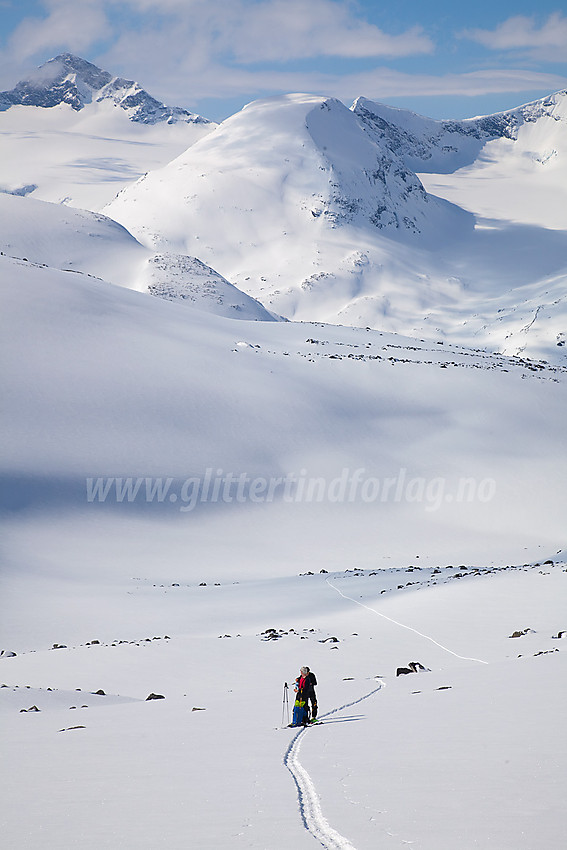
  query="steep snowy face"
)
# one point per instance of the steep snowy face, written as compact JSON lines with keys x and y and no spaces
{"x":426,"y":145}
{"x":368,"y":182}
{"x":76,"y":82}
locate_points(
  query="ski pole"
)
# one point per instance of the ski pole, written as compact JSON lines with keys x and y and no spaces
{"x":285,"y":703}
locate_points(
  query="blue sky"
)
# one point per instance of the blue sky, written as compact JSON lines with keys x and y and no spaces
{"x":441,"y":58}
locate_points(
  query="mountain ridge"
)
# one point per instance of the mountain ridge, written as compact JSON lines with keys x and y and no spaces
{"x":72,"y":80}
{"x":418,"y":139}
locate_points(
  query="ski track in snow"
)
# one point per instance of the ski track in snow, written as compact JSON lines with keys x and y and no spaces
{"x":309,"y":803}
{"x":404,"y":626}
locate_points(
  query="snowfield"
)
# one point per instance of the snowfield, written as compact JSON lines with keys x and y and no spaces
{"x":148,"y":598}
{"x":366,"y":470}
{"x":470,"y":753}
{"x":82,"y":159}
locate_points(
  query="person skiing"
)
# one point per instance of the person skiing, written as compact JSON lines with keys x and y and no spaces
{"x":304,"y":695}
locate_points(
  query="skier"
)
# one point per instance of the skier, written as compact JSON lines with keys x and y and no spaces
{"x":304,"y":694}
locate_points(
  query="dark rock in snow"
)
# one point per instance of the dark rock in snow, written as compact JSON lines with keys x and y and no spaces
{"x":413,"y":667}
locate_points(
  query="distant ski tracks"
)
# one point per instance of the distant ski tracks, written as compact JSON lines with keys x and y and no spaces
{"x":404,"y":626}
{"x":309,"y":803}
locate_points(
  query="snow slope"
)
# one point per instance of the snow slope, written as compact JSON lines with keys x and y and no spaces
{"x":81,"y":241}
{"x":315,"y":210}
{"x":120,"y":384}
{"x":471,"y":753}
{"x":74,"y":134}
{"x":200,"y":601}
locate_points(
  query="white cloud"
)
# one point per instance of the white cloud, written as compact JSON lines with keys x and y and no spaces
{"x":247,"y":30}
{"x":200,"y":49}
{"x":384,"y":82}
{"x":545,"y":42}
{"x":77,"y":22}
{"x":280,"y":30}
{"x":251,"y":31}
{"x":195,"y":34}
{"x":187,"y":85}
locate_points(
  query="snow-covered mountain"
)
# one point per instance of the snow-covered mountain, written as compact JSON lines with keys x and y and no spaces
{"x":299,"y":207}
{"x":72,"y":80}
{"x":318,"y":212}
{"x":73,"y":133}
{"x":314,"y":165}
{"x":510,"y":171}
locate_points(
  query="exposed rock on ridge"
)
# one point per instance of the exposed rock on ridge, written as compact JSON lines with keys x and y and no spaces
{"x":72,"y":80}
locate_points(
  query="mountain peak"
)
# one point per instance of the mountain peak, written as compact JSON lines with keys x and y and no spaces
{"x":72,"y":80}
